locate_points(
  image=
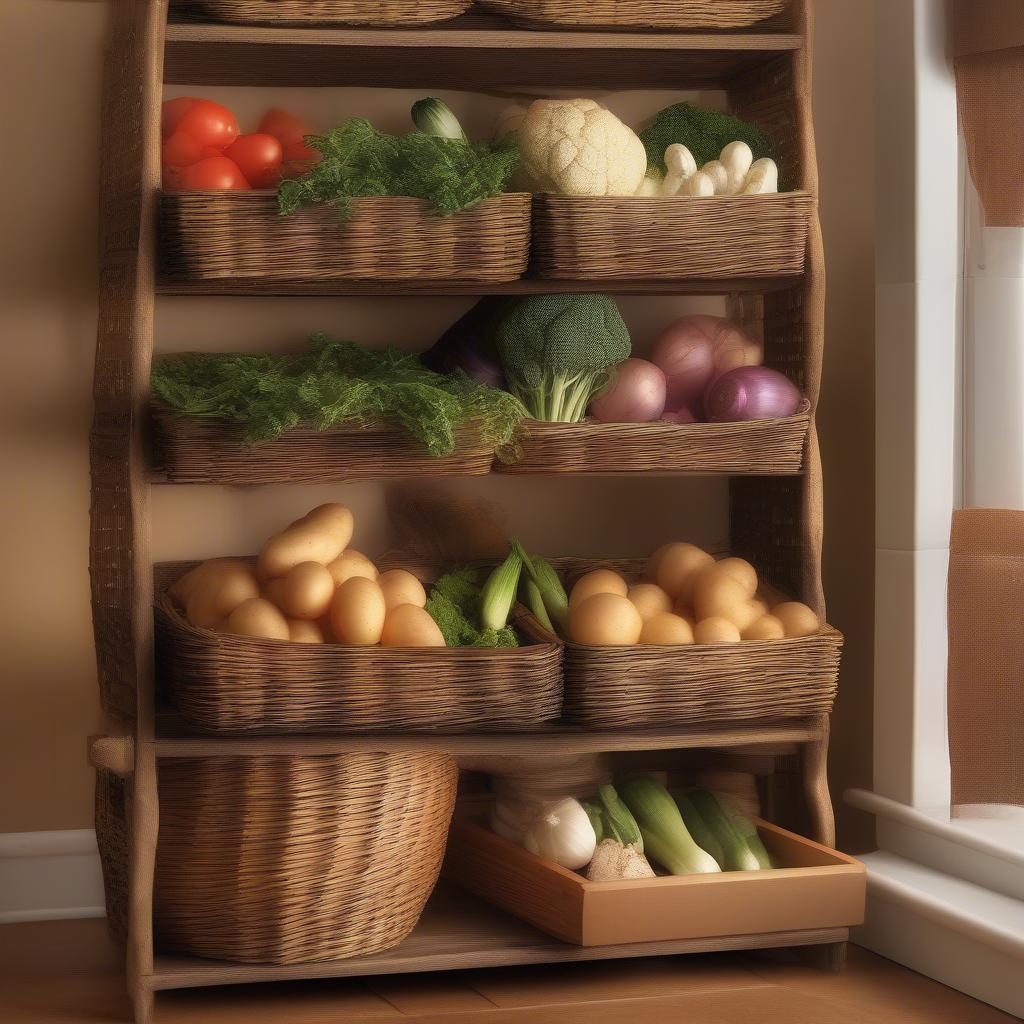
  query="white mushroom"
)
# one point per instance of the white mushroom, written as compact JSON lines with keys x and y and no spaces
{"x":719,"y":176}
{"x":700,"y":184}
{"x":737,"y":158}
{"x":762,"y":178}
{"x":681,"y":167}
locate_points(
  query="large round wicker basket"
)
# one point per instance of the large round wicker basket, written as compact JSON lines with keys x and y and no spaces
{"x":285,"y":858}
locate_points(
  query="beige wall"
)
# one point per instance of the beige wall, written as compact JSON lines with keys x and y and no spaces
{"x":48,"y":310}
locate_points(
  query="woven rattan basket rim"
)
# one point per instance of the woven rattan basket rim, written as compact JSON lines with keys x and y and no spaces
{"x":379,"y":13}
{"x":621,"y":14}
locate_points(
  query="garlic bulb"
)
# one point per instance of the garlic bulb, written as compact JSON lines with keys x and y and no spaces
{"x":562,"y":832}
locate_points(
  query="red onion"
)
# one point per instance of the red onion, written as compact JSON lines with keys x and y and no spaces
{"x":751,"y":393}
{"x":685,"y":353}
{"x":636,"y":394}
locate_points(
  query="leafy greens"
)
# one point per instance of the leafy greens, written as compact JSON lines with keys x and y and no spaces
{"x":336,"y":383}
{"x":358,"y":160}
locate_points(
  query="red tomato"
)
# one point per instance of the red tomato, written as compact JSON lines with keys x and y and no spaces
{"x":211,"y":126}
{"x":259,"y":158}
{"x":213,"y":172}
{"x":180,"y":150}
{"x":285,"y":127}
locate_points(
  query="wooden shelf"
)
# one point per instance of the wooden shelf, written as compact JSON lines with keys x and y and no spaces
{"x":175,"y":740}
{"x":458,"y":931}
{"x":524,"y":286}
{"x":481,"y":52}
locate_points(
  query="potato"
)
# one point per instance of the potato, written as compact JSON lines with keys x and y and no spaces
{"x":307,"y":591}
{"x":351,"y":563}
{"x":410,"y":626}
{"x":219,"y":591}
{"x":600,"y":581}
{"x":401,"y":587}
{"x":302,"y":631}
{"x":674,"y":567}
{"x":257,"y":617}
{"x":741,"y":570}
{"x":649,"y":599}
{"x":183,"y":587}
{"x":357,"y":612}
{"x":605,"y":620}
{"x":718,"y":594}
{"x":666,"y":628}
{"x":797,"y":619}
{"x":767,"y":627}
{"x":319,"y":536}
{"x":716,"y":630}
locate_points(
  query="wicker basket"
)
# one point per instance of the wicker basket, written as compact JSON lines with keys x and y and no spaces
{"x":212,"y":236}
{"x":207,"y":451}
{"x":231,"y":684}
{"x":285,"y":858}
{"x":642,"y":14}
{"x":374,"y":13}
{"x":652,"y":685}
{"x":677,"y":238}
{"x":760,"y":446}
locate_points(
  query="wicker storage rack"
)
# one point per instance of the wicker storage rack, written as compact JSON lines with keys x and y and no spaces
{"x":231,"y":684}
{"x":644,"y":14}
{"x":630,"y":238}
{"x":651,"y":685}
{"x":200,"y":451}
{"x":374,"y":13}
{"x":760,"y":446}
{"x":285,"y":858}
{"x":210,"y":236}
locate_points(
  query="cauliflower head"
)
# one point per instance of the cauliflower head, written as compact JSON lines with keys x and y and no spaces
{"x":577,"y":148}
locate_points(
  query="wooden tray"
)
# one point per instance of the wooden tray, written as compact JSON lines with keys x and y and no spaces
{"x":815,"y":888}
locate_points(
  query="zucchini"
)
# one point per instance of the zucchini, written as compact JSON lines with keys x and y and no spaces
{"x":737,"y":853}
{"x":666,"y":839}
{"x":698,"y":827}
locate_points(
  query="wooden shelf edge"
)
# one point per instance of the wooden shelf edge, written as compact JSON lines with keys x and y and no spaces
{"x":524,"y":286}
{"x":459,"y":932}
{"x":483,"y":33}
{"x":173,"y":741}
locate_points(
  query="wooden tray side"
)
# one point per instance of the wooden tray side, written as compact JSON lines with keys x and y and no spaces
{"x":816,"y":888}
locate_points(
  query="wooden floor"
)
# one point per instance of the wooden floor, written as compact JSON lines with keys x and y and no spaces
{"x":69,"y":973}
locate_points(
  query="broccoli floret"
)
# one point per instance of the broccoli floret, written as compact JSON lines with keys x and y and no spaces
{"x":557,"y":351}
{"x":705,"y":133}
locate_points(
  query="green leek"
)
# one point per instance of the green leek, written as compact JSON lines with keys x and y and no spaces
{"x":499,"y":593}
{"x":621,"y":823}
{"x":547,"y":582}
{"x":666,"y":839}
{"x":698,"y":827}
{"x":433,"y":117}
{"x":531,"y":594}
{"x":738,"y":855}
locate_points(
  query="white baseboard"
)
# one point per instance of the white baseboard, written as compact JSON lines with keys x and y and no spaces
{"x":50,"y":876}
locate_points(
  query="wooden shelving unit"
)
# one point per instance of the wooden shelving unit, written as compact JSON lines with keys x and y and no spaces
{"x":479,"y":53}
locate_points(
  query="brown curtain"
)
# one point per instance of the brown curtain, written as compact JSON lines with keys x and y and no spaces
{"x":986,"y":657}
{"x":987,"y":47}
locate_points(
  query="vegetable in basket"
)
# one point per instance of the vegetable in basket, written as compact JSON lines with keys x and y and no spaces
{"x":451,"y":174}
{"x":558,"y":351}
{"x":456,"y":605}
{"x":574,"y":147}
{"x":545,"y":594}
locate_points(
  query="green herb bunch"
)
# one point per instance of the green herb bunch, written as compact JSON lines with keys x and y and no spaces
{"x":358,"y":160}
{"x":336,"y":383}
{"x":455,"y":605}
